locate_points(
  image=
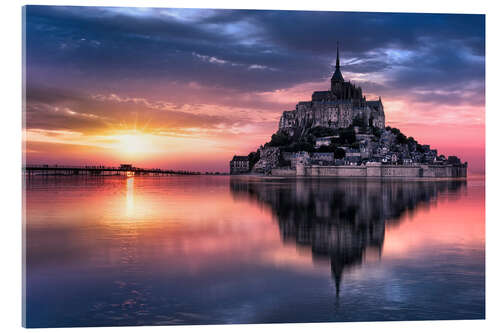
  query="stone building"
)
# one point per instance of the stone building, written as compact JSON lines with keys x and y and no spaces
{"x":322,"y":158}
{"x":342,"y":106}
{"x":239,"y":164}
{"x":324,"y":141}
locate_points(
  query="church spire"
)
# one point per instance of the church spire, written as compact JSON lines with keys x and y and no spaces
{"x":337,"y":65}
{"x":337,"y":76}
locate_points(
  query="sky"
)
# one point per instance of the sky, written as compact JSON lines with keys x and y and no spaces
{"x":189,"y":88}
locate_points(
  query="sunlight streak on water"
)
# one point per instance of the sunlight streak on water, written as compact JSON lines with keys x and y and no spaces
{"x":130,"y":197}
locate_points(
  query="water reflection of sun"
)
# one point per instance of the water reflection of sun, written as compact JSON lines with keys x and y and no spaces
{"x":130,"y":197}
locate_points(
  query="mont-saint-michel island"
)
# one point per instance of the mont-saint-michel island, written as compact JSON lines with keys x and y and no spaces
{"x":339,"y":133}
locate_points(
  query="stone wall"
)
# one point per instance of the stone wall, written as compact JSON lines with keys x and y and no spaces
{"x":398,"y":171}
{"x":447,"y":171}
{"x":336,"y":171}
{"x":284,"y":172}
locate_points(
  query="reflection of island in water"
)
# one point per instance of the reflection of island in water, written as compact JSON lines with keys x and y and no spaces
{"x":340,"y":219}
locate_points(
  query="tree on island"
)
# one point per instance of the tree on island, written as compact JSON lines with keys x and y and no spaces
{"x":320,"y":131}
{"x":347,"y":135}
{"x":401,"y":138}
{"x":358,"y":121}
{"x":253,"y":158}
{"x":300,"y":146}
{"x":377,"y":132}
{"x":339,"y":153}
{"x":279,"y":139}
{"x":326,"y":149}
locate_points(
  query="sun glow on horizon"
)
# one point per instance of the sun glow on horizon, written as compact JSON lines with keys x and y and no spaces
{"x":134,"y":143}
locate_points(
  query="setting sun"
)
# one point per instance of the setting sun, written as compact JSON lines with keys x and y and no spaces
{"x":133,"y":144}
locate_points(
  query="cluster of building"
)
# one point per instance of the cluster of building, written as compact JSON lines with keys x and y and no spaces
{"x":371,"y":150}
{"x":384,"y":149}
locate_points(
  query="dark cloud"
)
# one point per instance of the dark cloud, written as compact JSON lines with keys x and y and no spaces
{"x":95,"y":49}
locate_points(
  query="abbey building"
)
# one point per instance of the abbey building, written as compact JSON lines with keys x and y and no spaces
{"x":342,"y":106}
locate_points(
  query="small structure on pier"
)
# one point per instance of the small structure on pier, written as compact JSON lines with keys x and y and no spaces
{"x":126,"y":166}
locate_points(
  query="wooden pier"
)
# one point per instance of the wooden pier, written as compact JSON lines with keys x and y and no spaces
{"x":98,"y":170}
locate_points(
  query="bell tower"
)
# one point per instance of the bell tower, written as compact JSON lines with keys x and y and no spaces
{"x":337,"y":78}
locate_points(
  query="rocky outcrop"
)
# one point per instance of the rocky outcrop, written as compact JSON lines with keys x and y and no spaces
{"x":331,"y":114}
{"x":269,"y":159}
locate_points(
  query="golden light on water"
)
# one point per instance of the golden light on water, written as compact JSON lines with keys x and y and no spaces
{"x":130,"y":197}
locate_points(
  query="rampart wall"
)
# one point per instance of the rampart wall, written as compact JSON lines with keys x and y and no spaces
{"x":400,"y":171}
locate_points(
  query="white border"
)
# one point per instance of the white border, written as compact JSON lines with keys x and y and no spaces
{"x":10,"y":312}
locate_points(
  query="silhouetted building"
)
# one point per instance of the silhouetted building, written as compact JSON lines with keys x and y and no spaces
{"x":239,"y":164}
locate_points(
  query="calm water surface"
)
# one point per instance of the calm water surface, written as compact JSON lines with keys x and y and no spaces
{"x":213,"y":249}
